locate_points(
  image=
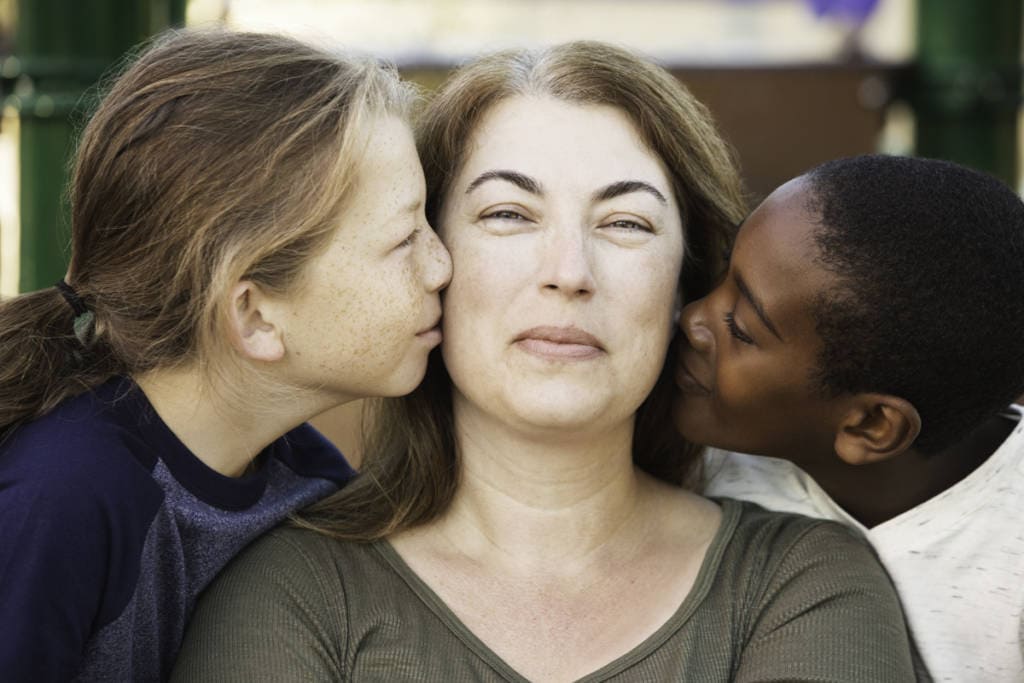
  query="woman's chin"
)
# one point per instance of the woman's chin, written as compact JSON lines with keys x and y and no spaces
{"x":578,"y":417}
{"x":563,"y":402}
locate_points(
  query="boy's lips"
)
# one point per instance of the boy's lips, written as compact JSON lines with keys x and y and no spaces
{"x":686,"y":381}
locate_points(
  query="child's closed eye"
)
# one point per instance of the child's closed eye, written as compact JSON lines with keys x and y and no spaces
{"x":735,"y":331}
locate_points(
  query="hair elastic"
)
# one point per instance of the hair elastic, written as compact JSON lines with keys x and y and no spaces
{"x":83,"y":316}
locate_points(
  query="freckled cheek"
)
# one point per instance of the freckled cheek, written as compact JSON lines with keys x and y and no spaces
{"x":384,"y":305}
{"x":326,"y":309}
{"x":336,"y":305}
{"x":405,"y":297}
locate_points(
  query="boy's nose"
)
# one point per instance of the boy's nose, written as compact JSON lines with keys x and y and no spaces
{"x":693,"y":323}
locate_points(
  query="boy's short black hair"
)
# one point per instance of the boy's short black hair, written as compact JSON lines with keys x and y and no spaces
{"x":930,"y":301}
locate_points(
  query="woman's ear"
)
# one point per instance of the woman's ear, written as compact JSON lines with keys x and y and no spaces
{"x":876,"y":427}
{"x":255,"y":331}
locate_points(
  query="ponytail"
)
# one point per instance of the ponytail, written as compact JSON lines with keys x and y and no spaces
{"x":42,"y":362}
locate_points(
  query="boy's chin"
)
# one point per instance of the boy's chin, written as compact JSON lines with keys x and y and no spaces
{"x":690,"y":425}
{"x":698,"y":427}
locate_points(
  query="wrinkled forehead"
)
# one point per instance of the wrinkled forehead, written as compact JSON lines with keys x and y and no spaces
{"x":525,"y":125}
{"x":561,"y":142}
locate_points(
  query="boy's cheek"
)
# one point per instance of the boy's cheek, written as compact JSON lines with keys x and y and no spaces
{"x":753,"y":396}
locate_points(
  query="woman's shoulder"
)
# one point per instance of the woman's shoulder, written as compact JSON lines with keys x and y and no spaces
{"x":286,"y":572}
{"x":276,"y":612}
{"x":778,"y":532}
{"x":783,"y":575}
{"x":769,"y":535}
{"x":296,"y":547}
{"x":302,"y":560}
{"x":747,"y":528}
{"x":793,"y":558}
{"x":748,"y":544}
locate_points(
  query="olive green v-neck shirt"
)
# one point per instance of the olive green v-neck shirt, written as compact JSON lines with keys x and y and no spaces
{"x":778,"y":598}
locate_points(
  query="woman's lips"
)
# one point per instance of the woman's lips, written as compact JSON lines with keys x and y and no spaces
{"x":559,"y":343}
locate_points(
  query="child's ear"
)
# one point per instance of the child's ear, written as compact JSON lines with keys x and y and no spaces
{"x":254,"y":330}
{"x":876,"y":427}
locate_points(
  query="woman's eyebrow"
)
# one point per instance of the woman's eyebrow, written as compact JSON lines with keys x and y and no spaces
{"x":521,"y":181}
{"x":625,"y":187}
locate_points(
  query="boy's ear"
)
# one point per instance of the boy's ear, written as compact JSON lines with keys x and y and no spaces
{"x":254,"y":332}
{"x":876,"y":427}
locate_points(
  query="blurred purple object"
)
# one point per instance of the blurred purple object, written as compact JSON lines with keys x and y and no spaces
{"x":857,"y":10}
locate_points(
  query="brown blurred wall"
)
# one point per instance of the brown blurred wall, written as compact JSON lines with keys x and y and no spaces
{"x":783,"y":121}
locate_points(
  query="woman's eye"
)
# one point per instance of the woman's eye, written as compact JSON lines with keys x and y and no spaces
{"x":735,"y":330}
{"x":505,"y":214}
{"x":626,"y":224}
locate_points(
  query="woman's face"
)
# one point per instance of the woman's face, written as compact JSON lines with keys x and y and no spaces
{"x":366,"y":314}
{"x":567,"y":244}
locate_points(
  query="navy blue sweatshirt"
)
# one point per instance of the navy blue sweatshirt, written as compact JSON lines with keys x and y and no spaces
{"x":110,"y":527}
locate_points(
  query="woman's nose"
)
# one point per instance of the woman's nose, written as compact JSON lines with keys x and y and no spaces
{"x":694,"y":324}
{"x":565,"y":264}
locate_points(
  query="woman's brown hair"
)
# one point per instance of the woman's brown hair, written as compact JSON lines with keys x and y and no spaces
{"x":215,"y":156}
{"x":410,"y":467}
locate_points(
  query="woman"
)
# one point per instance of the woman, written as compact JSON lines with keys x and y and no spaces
{"x":521,"y":515}
{"x":249,"y":248}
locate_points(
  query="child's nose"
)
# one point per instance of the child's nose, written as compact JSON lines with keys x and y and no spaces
{"x":693,"y":323}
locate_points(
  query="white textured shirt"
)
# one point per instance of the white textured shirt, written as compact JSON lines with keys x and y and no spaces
{"x":957,"y":559}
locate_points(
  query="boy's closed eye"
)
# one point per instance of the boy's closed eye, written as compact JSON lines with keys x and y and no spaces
{"x":735,"y":331}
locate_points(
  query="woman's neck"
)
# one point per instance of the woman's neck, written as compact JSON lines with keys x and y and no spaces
{"x":529,"y":499}
{"x":224,"y":434}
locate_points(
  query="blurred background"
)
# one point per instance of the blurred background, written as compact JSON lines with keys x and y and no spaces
{"x":790,"y":82}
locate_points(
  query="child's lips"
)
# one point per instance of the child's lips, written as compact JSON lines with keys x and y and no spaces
{"x":686,"y":381}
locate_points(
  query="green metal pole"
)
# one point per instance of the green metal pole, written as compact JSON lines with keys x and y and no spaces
{"x":968,"y":83}
{"x":62,"y":47}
